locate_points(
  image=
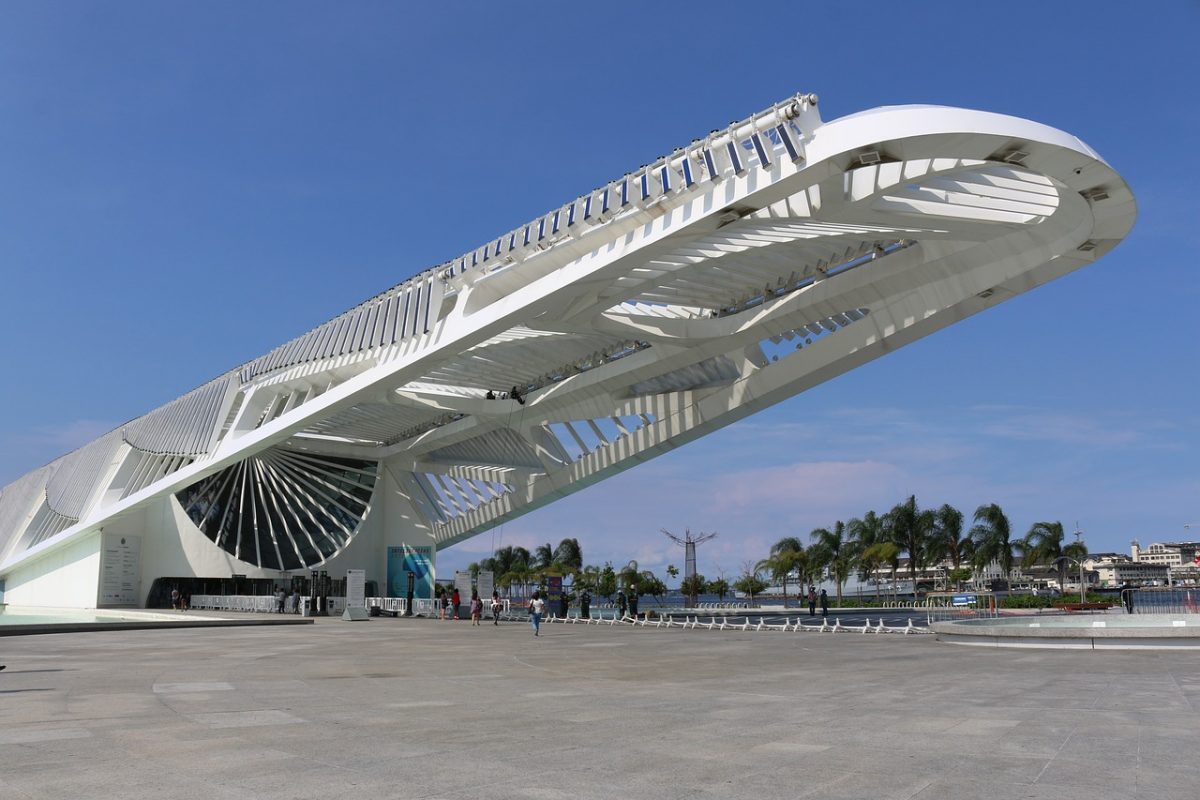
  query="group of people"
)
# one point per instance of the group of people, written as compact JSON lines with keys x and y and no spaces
{"x":452,"y":601}
{"x":180,"y":601}
{"x":281,"y":601}
{"x":814,"y":598}
{"x":514,"y":393}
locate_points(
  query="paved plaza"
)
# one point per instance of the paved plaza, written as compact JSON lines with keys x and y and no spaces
{"x":426,"y":709}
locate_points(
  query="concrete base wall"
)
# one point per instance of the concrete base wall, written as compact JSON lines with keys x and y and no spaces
{"x":66,"y":578}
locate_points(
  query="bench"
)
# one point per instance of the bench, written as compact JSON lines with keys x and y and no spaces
{"x":1083,"y":606}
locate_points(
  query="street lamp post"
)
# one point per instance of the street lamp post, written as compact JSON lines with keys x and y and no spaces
{"x":1079,"y":564}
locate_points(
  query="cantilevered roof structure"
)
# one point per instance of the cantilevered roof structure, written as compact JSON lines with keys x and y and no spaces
{"x":736,"y":272}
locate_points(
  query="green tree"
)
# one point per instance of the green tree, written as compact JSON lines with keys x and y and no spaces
{"x":652,"y":585}
{"x":751,"y":583}
{"x":719,"y":587}
{"x":672,"y":571}
{"x":606,"y":585}
{"x":692,"y":587}
{"x":992,"y":535}
{"x":912,"y":529}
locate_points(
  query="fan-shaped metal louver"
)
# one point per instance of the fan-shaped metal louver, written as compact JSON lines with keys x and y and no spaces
{"x":281,"y":509}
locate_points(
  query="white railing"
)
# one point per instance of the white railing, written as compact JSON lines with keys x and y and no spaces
{"x":256,"y":604}
{"x":392,"y":605}
{"x":762,"y":624}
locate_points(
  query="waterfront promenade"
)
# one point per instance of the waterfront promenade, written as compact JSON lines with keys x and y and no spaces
{"x":426,"y":709}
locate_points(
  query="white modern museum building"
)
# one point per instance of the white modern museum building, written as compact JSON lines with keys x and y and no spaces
{"x":739,"y":270}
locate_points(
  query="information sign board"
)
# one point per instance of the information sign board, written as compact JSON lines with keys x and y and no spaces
{"x":963,"y":599}
{"x":120,"y":569}
{"x":485,"y":583}
{"x":356,"y":588}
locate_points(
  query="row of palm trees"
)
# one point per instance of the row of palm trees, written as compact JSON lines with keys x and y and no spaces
{"x":866,"y":545}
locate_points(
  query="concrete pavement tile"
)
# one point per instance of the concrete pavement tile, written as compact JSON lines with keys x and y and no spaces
{"x":953,"y":790}
{"x":1108,"y":776}
{"x":28,"y":734}
{"x":983,"y":727}
{"x":196,"y":686}
{"x":243,"y":719}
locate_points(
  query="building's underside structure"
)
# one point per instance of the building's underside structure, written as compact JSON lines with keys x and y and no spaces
{"x":738,"y":271}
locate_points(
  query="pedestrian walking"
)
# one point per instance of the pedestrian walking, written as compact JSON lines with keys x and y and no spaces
{"x":445,"y":606}
{"x":812,"y":600}
{"x":633,"y":603}
{"x":455,"y":600}
{"x":621,"y":605}
{"x":585,"y":605}
{"x":537,"y":607}
{"x":496,"y":606}
{"x":824,"y":603}
{"x":476,"y":608}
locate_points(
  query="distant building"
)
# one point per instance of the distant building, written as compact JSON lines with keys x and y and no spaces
{"x":1138,"y":573}
{"x":1180,"y":558}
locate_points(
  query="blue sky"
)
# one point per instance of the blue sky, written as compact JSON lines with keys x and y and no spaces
{"x":184,"y":186}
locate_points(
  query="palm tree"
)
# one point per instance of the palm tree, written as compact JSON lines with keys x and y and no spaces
{"x":504,"y":559}
{"x":569,"y":553}
{"x":992,"y":535}
{"x":586,"y":578}
{"x":543,"y":556}
{"x":950,"y":542}
{"x":786,"y":556}
{"x":779,"y":565}
{"x":912,"y":529}
{"x":520,"y":573}
{"x":719,"y":587}
{"x":875,"y":556}
{"x":865,"y":532}
{"x":1043,"y":546}
{"x":834,"y":550}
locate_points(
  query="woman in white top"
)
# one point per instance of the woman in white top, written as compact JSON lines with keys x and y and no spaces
{"x":537,"y":607}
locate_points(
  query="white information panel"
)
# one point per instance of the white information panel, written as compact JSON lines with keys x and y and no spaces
{"x":356,"y":596}
{"x":120,"y":569}
{"x":462,"y":582}
{"x":356,"y":588}
{"x":485,"y":582}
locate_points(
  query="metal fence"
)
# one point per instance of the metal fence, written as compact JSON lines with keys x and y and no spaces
{"x":1165,"y":600}
{"x":984,"y":608}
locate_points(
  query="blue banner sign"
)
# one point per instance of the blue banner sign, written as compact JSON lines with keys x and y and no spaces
{"x":405,"y":559}
{"x":963,"y":599}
